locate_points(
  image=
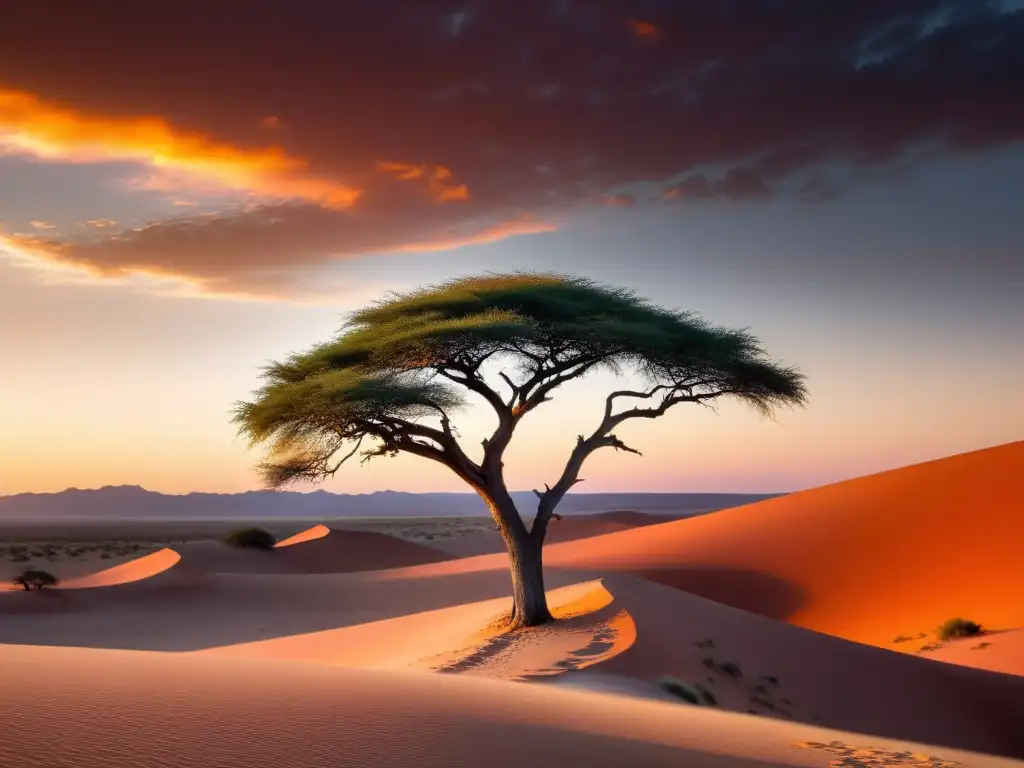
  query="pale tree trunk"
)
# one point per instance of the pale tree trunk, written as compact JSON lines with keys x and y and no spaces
{"x":529,"y":599}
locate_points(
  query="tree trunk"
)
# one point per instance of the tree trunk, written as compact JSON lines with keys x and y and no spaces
{"x":529,"y":599}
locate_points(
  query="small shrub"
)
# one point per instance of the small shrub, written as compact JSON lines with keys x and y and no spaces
{"x":33,"y":580}
{"x":958,"y":627}
{"x":251,"y":538}
{"x":104,"y":555}
{"x":680,"y":690}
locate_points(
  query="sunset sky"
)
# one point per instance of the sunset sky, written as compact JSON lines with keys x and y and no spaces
{"x":186,"y":193}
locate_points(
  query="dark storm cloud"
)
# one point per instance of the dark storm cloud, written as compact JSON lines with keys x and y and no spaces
{"x":534,"y":106}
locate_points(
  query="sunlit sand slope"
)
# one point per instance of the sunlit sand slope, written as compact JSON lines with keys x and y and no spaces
{"x":94,"y":709}
{"x":141,"y":568}
{"x":316,"y":532}
{"x":465,"y":639}
{"x":998,"y":651}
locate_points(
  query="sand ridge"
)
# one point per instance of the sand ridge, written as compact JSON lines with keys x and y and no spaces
{"x":316,"y":550}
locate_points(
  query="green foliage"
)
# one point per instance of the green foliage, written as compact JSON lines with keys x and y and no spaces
{"x":415,"y":357}
{"x":34,"y":580}
{"x":251,"y":538}
{"x":955,"y":628}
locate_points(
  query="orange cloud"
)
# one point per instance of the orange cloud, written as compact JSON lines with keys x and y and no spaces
{"x":644,"y":29}
{"x":31,"y":125}
{"x":41,"y":225}
{"x":272,"y":123}
{"x":437,"y":179}
{"x":100,"y":223}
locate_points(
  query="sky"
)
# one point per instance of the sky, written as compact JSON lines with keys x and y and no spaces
{"x":186,"y":195}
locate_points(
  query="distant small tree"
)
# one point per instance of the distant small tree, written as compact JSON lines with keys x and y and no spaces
{"x":251,"y":538}
{"x":400,"y":368}
{"x":34,"y":580}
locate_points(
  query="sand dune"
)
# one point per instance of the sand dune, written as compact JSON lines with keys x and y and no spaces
{"x":896,"y":553}
{"x":996,"y":651}
{"x":145,"y":567}
{"x":705,"y":600}
{"x":135,"y":570}
{"x":569,"y":528}
{"x":641,"y":631}
{"x":188,"y":711}
{"x":317,"y":550}
{"x":463,"y":639}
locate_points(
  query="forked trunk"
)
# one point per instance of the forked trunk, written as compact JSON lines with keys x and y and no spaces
{"x":529,"y":600}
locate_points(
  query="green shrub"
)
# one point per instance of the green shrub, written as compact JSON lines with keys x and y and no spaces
{"x":680,"y":690}
{"x":958,"y":627}
{"x":35,"y":580}
{"x":251,"y":538}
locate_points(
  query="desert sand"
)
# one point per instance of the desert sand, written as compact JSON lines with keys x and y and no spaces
{"x":355,"y":647}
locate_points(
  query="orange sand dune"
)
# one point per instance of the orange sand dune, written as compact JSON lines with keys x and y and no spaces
{"x":997,"y":651}
{"x":134,"y":570}
{"x":145,"y":567}
{"x":869,"y":559}
{"x":569,"y":528}
{"x":93,"y":709}
{"x":316,"y":532}
{"x":317,"y":550}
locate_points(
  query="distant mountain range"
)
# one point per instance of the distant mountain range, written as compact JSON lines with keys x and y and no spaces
{"x":131,"y":502}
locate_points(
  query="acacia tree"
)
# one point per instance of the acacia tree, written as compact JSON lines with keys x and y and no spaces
{"x":393,"y":377}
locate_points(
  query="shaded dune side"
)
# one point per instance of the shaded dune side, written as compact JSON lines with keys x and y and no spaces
{"x":642,"y":631}
{"x":118,"y":708}
{"x":895,"y":553}
{"x":313,"y":551}
{"x":796,"y":674}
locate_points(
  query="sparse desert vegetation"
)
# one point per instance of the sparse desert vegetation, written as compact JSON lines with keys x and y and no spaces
{"x":954,"y":629}
{"x":679,"y":689}
{"x":251,"y":538}
{"x":35,"y":580}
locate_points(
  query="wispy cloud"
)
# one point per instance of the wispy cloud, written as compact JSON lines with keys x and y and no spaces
{"x":35,"y":126}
